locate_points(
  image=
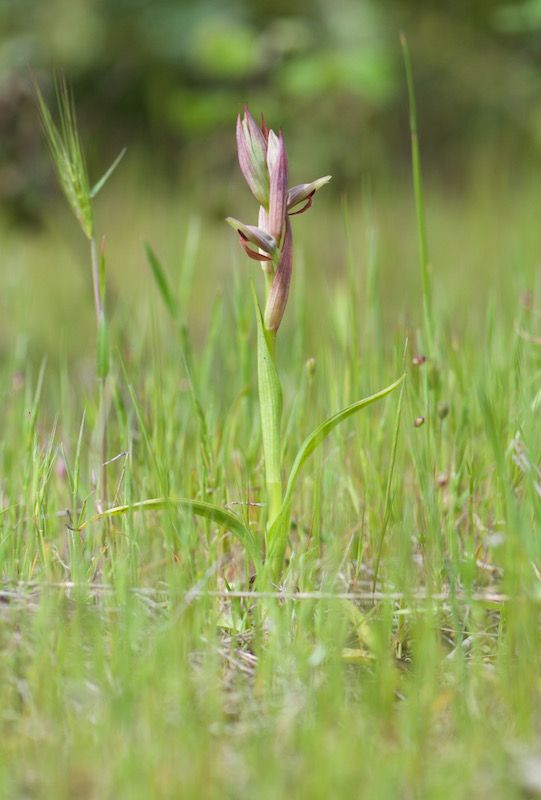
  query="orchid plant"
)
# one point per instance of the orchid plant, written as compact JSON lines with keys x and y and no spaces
{"x":263,"y":162}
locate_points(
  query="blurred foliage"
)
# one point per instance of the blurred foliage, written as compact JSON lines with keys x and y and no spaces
{"x":166,"y":78}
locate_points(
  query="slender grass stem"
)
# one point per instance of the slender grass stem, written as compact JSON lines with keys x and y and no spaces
{"x":102,"y":486}
{"x":426,"y":275}
{"x":102,"y":412}
{"x":94,"y":258}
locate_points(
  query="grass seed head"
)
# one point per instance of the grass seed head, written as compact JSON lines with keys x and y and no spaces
{"x":65,"y":147}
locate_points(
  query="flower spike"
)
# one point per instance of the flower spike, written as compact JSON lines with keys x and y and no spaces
{"x":263,"y":161}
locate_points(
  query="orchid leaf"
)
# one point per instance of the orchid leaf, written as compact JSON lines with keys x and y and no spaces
{"x":322,"y":431}
{"x":224,"y":518}
{"x":278,"y":533}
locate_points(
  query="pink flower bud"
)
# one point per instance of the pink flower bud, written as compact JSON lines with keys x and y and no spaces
{"x":263,"y":161}
{"x":252,"y":153}
{"x":277,"y":162}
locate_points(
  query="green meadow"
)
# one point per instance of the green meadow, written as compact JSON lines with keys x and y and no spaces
{"x":393,"y":649}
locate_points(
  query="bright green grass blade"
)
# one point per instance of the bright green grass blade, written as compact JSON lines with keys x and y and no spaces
{"x":426,"y":275}
{"x":388,"y":489}
{"x":162,"y":282}
{"x":211,"y":512}
{"x":173,"y":306}
{"x":102,"y":349}
{"x":277,"y":535}
{"x":187,"y":358}
{"x":98,"y":186}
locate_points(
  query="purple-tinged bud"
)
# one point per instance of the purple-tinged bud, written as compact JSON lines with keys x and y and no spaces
{"x":252,"y":153}
{"x":277,"y":299}
{"x":277,"y":162}
{"x":264,"y":129}
{"x":304,"y":192}
{"x":273,"y":146}
{"x":263,"y":219}
{"x":257,"y":236}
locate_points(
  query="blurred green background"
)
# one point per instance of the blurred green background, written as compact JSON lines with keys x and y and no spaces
{"x":166,"y":78}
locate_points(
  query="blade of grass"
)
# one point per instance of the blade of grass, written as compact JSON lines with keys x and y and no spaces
{"x":419,"y":202}
{"x":105,"y":177}
{"x":387,"y":503}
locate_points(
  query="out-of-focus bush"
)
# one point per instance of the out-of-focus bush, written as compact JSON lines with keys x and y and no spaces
{"x":166,"y":77}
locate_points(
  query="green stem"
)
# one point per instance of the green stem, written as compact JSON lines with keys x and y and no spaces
{"x":270,"y":410}
{"x":271,"y":437}
{"x":269,"y":277}
{"x":96,"y":278}
{"x":270,"y":394}
{"x":102,"y":487}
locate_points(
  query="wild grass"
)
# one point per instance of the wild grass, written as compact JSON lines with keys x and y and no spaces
{"x":137,"y":665}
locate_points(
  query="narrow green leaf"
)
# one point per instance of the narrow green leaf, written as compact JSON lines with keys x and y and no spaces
{"x":426,"y":274}
{"x":322,"y":431}
{"x":388,"y":489}
{"x":162,"y":282}
{"x":104,"y":178}
{"x":186,"y":349}
{"x":278,"y":533}
{"x":224,"y":518}
{"x":172,"y":305}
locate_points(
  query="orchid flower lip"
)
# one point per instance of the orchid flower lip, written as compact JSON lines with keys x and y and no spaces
{"x":305,"y":207}
{"x":304,"y":191}
{"x":251,"y":233}
{"x":252,"y":253}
